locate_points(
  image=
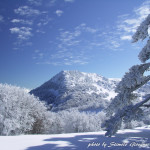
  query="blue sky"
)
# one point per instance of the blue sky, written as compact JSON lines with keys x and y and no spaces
{"x":40,"y":38}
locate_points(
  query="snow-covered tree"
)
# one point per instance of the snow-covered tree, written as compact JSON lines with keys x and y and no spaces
{"x":76,"y":121}
{"x":123,"y":107}
{"x":21,"y":112}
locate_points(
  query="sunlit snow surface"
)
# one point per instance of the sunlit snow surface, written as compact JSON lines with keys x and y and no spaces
{"x":133,"y":139}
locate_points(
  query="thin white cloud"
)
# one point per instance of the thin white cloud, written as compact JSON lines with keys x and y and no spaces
{"x":29,"y":16}
{"x":38,"y":55}
{"x":27,"y":11}
{"x":1,"y":18}
{"x":28,"y":22}
{"x":41,"y":55}
{"x":18,"y":45}
{"x":35,"y":2}
{"x":84,"y":28}
{"x":91,"y":30}
{"x":76,"y":37}
{"x":54,"y":2}
{"x":115,"y":44}
{"x":44,"y":20}
{"x":40,"y":31}
{"x":23,"y":33}
{"x":68,"y":38}
{"x":117,"y":37}
{"x":62,"y":62}
{"x":65,"y":49}
{"x":37,"y":51}
{"x":143,"y":10}
{"x":128,"y":24}
{"x":126,"y":37}
{"x":67,"y":45}
{"x":69,"y":1}
{"x":59,"y":13}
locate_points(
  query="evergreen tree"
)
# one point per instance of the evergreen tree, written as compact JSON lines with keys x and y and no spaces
{"x":123,"y":107}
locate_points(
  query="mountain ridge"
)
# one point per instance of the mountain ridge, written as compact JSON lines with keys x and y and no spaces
{"x":71,"y":89}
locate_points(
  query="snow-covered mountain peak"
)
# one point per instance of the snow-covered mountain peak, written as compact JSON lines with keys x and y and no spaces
{"x":71,"y":88}
{"x":73,"y":78}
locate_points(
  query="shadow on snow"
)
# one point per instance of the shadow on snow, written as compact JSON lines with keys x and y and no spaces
{"x":135,"y":139}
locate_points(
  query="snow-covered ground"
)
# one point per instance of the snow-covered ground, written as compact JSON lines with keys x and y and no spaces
{"x":134,"y":139}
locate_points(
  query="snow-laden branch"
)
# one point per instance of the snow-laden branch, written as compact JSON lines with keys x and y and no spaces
{"x":127,"y":114}
{"x":121,"y":107}
{"x":145,"y":52}
{"x":142,"y":31}
{"x":146,"y":105}
{"x":131,"y":81}
{"x":134,"y":79}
